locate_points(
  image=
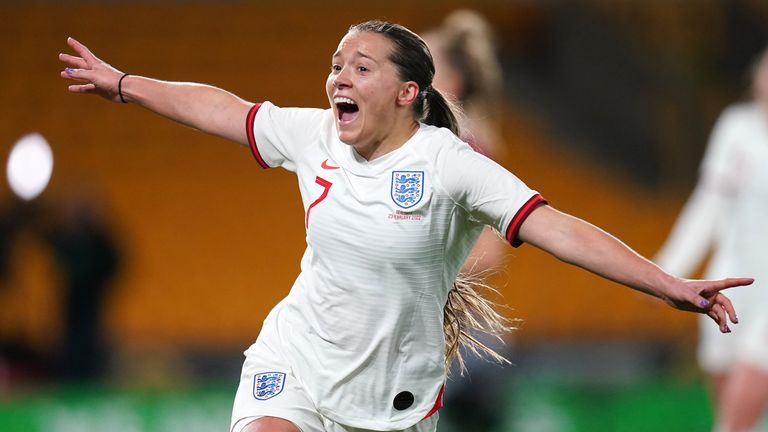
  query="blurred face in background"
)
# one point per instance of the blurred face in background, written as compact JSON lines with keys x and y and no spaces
{"x":447,"y":79}
{"x":760,"y":82}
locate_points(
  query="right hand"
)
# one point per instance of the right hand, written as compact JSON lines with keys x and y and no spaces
{"x":91,"y":73}
{"x":704,"y":296}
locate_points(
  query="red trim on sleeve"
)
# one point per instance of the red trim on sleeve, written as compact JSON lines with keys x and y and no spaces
{"x":520,"y":217}
{"x":251,"y":139}
{"x":438,"y":403}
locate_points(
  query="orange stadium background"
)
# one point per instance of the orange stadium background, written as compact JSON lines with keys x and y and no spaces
{"x":210,"y":241}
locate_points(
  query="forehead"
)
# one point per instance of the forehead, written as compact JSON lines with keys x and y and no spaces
{"x":366,"y":44}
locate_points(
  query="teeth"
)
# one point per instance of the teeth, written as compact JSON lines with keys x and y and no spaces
{"x":344,"y":100}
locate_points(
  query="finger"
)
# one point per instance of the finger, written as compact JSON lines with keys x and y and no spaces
{"x":73,"y":61}
{"x":718,"y":285}
{"x":728,"y":306}
{"x":713,"y":314}
{"x":82,"y":50}
{"x":82,"y":88}
{"x":722,"y":320}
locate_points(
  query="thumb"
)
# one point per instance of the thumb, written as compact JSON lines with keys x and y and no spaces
{"x":701,"y":302}
{"x":72,"y":73}
{"x":82,"y":75}
{"x":86,"y":75}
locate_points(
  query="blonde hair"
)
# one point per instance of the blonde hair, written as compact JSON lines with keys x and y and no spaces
{"x":468,"y":313}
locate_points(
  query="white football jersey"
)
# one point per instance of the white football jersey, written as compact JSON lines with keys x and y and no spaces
{"x":386,"y":238}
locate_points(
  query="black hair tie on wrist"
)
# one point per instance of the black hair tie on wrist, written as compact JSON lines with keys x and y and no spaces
{"x":120,"y":88}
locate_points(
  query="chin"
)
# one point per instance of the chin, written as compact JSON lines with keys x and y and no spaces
{"x":347,"y":137}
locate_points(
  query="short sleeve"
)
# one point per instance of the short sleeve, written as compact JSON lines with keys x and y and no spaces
{"x":486,"y":190}
{"x":276,"y":136}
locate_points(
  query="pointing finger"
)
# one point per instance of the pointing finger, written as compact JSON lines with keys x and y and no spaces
{"x":716,"y":286}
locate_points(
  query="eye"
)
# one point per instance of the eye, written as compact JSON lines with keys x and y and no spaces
{"x":362,"y":69}
{"x":336,"y":68}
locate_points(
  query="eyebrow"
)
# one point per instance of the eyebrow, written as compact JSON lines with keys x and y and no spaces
{"x":357,"y":54}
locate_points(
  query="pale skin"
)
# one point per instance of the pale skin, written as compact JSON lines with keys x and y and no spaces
{"x":361,"y":71}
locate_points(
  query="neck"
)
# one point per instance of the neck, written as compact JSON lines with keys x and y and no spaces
{"x":389,"y":143}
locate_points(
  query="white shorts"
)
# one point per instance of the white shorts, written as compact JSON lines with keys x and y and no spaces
{"x":747,"y":342}
{"x":268,"y":387}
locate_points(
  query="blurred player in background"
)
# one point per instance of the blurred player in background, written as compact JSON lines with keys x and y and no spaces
{"x":728,"y":213}
{"x":83,"y":248}
{"x":87,"y":258}
{"x":467,"y":69}
{"x":394,"y":202}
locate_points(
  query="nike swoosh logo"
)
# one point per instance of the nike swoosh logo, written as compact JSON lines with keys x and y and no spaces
{"x":325,"y":165}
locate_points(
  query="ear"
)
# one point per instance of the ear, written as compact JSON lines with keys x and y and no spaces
{"x":407,"y":94}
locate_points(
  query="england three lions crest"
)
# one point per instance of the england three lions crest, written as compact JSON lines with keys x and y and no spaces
{"x":268,"y":385}
{"x":407,"y":188}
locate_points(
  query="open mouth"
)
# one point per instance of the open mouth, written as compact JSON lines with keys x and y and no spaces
{"x":346,"y":109}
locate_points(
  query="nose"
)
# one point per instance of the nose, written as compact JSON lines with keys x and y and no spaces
{"x":341,"y":80}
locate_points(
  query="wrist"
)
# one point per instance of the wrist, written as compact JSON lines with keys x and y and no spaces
{"x":120,"y":88}
{"x":665,"y":285}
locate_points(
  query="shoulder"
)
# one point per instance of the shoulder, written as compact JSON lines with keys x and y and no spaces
{"x":741,"y":113}
{"x":739,"y":127}
{"x":435,"y":141}
{"x":444,"y":151}
{"x":454,"y":164}
{"x":268,"y":111}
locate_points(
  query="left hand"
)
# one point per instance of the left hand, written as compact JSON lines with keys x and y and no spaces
{"x":92,"y":74}
{"x":704,"y":296}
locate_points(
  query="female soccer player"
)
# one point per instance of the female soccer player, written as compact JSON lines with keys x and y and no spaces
{"x":394,"y":201}
{"x":727,"y":213}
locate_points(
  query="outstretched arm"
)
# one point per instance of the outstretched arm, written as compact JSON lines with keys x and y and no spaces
{"x":577,"y":242}
{"x":209,"y":109}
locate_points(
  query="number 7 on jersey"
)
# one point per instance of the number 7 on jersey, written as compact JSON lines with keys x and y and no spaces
{"x":326,"y":187}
